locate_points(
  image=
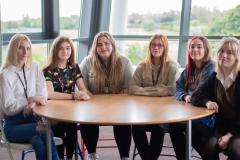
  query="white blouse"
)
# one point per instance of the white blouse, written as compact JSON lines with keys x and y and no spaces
{"x":226,"y":81}
{"x":12,"y":96}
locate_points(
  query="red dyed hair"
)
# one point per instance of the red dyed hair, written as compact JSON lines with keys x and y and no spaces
{"x":190,"y":62}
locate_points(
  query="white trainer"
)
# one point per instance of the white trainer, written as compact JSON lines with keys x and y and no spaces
{"x":93,"y":156}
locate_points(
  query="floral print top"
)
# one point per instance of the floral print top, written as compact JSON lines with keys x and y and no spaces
{"x":64,"y":80}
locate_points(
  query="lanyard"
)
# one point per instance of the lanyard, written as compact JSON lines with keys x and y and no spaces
{"x":107,"y":73}
{"x":63,"y":80}
{"x":25,"y":80}
{"x":153,"y":80}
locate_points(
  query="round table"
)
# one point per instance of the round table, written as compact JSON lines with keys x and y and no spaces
{"x":122,"y":110}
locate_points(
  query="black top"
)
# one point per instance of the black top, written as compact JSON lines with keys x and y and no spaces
{"x":209,"y":91}
{"x":64,"y":80}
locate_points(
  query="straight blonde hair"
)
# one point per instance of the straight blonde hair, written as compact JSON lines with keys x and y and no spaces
{"x":233,"y":45}
{"x":115,"y":68}
{"x":13,"y":48}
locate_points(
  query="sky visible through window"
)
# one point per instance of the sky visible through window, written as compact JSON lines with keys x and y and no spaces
{"x":157,"y":6}
{"x":135,"y":6}
{"x":17,"y":9}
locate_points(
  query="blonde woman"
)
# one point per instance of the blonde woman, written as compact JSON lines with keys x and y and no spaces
{"x":22,"y":86}
{"x":106,"y":72}
{"x":155,"y":76}
{"x":62,"y":76}
{"x":221,"y":93}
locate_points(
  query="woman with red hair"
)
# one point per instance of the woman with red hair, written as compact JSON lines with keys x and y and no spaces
{"x":199,"y":67}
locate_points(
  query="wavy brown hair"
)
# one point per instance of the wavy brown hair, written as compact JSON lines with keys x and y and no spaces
{"x":114,"y":68}
{"x":53,"y":59}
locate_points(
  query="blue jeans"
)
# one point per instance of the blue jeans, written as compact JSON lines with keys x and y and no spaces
{"x":20,"y":129}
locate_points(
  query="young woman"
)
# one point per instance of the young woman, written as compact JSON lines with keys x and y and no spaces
{"x":221,"y":93}
{"x":199,"y":67}
{"x":155,"y":76}
{"x":106,"y":72}
{"x":62,"y":76}
{"x":22,"y":87}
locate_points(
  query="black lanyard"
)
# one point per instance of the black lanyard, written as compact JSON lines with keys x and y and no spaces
{"x":25,"y":80}
{"x":153,"y":80}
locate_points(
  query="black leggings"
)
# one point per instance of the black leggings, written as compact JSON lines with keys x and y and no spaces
{"x":68,"y":133}
{"x":148,"y":150}
{"x":122,"y":135}
{"x":200,"y":136}
{"x":212,"y":150}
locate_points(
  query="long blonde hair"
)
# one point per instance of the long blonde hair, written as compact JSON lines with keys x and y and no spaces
{"x":12,"y":50}
{"x":115,"y":68}
{"x":165,"y":56}
{"x":234,"y":46}
{"x":53,"y":59}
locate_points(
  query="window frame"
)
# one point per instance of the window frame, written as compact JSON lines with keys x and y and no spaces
{"x":95,"y":17}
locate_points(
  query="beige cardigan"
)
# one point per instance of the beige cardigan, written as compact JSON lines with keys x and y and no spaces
{"x":142,"y":82}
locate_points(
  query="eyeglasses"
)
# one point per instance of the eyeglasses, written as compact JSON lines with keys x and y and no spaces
{"x":159,"y":45}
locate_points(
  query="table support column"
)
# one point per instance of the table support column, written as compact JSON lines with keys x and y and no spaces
{"x":49,"y":146}
{"x":189,"y":140}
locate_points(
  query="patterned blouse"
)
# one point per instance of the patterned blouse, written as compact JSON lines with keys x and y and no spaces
{"x":64,"y":80}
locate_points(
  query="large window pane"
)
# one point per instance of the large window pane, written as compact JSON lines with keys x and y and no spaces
{"x":21,"y":16}
{"x":136,"y":51}
{"x":39,"y":53}
{"x":214,"y":44}
{"x":4,"y":51}
{"x":75,"y":45}
{"x":145,"y":17}
{"x":70,"y":17}
{"x":215,"y":17}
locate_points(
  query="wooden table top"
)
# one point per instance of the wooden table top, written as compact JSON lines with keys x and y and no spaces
{"x":122,"y":109}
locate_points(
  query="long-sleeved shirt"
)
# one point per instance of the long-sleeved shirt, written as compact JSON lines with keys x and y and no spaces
{"x":88,"y":77}
{"x":181,"y":91}
{"x":12,"y":96}
{"x":228,"y":116}
{"x":143,"y":80}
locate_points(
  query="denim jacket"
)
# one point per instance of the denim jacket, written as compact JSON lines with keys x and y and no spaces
{"x":181,"y":92}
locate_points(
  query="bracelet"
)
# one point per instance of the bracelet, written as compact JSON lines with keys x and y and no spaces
{"x":73,"y":96}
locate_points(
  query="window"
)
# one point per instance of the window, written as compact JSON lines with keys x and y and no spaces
{"x":21,"y":16}
{"x":215,"y":18}
{"x":39,"y":53}
{"x":70,"y":17}
{"x":136,"y":51}
{"x":145,"y":17}
{"x":214,"y":44}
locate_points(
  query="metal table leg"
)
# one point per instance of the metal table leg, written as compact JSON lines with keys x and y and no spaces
{"x":49,"y":146}
{"x":189,"y":140}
